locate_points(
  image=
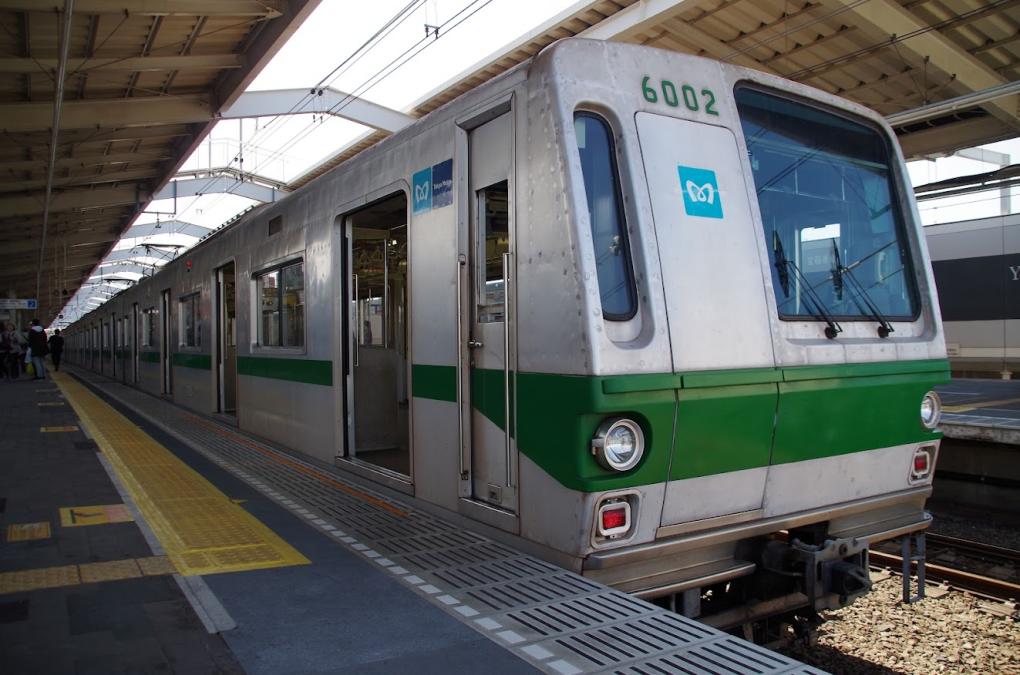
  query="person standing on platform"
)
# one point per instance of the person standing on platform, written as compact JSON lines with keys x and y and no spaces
{"x":37,"y":343}
{"x":56,"y":345}
{"x":8,"y":343}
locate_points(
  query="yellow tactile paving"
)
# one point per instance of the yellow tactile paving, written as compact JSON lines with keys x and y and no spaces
{"x":79,"y":516}
{"x":155,"y":566}
{"x":202,"y":531}
{"x":28,"y":531}
{"x":114,"y":570}
{"x":33,"y":580}
{"x":23,"y":581}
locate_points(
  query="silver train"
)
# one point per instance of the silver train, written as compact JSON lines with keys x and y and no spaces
{"x":977,"y":271}
{"x":661,"y":320}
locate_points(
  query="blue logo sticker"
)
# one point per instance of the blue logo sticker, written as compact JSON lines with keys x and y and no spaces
{"x":701,"y":192}
{"x":442,"y":184}
{"x":421,"y":188}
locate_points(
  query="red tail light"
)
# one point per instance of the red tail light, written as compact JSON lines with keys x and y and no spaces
{"x":921,"y":463}
{"x":614,"y":518}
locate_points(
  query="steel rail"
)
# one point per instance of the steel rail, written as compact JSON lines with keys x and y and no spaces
{"x":966,"y":581}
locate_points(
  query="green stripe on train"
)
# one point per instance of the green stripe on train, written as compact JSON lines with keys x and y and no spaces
{"x":148,"y":357}
{"x":723,"y":420}
{"x":191,"y":360}
{"x":307,"y":371}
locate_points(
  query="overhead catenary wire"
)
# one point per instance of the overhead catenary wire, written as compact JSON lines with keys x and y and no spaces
{"x":388,"y":26}
{"x":419,"y":46}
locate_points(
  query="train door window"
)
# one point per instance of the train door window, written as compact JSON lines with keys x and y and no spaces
{"x":376,"y":392}
{"x":281,"y":297}
{"x":189,"y":329}
{"x":494,"y":222}
{"x":605,"y":216}
{"x":149,"y":327}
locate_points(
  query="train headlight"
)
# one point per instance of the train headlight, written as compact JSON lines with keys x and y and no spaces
{"x":931,"y":410}
{"x":618,"y":444}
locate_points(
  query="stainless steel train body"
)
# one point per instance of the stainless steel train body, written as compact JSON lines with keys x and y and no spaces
{"x":977,"y":270}
{"x":665,"y":321}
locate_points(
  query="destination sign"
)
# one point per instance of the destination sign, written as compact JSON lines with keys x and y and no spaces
{"x":18,"y":303}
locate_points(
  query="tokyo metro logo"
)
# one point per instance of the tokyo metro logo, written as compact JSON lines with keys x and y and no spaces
{"x":422,"y":191}
{"x":701,"y":192}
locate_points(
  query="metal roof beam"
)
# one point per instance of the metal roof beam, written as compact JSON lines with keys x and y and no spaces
{"x":640,"y":17}
{"x":167,"y":227}
{"x":325,"y":101}
{"x":947,"y":138}
{"x":135,"y":64}
{"x":85,"y":160}
{"x":107,"y":113}
{"x":24,"y":205}
{"x":86,"y":179}
{"x":130,"y":254}
{"x":196,"y":187}
{"x":255,"y":8}
{"x":153,"y":110}
{"x":888,"y":18}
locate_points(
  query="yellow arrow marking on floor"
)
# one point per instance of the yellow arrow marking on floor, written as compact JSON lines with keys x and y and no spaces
{"x":77,"y":516}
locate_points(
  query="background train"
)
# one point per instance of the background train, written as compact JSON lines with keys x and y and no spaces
{"x":661,"y":320}
{"x":977,"y":271}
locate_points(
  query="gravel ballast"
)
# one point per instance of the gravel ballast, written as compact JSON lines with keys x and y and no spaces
{"x":953,"y":633}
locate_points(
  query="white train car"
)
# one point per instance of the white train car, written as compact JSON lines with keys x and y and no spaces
{"x":977,"y":272}
{"x":661,"y":320}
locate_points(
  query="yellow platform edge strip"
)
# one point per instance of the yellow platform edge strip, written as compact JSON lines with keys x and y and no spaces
{"x":201,"y":529}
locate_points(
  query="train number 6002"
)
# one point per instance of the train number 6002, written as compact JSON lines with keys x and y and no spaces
{"x":687,"y":93}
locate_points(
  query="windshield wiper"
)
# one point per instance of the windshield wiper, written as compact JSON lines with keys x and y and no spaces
{"x":860,"y":293}
{"x":783,"y":265}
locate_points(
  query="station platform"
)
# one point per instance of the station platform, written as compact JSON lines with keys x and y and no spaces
{"x":981,"y":410}
{"x":140,"y":537}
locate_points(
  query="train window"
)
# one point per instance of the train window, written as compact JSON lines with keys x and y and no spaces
{"x":828,"y":198}
{"x":605,"y":215}
{"x":189,"y":329}
{"x":149,"y":327}
{"x":275,"y":225}
{"x":281,"y":295}
{"x":494,"y":217}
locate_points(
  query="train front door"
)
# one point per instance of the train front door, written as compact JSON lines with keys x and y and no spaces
{"x":376,"y":396}
{"x":226,"y":340}
{"x":489,"y":310}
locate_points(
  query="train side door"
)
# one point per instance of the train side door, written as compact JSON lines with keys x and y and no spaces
{"x":134,"y":343}
{"x":376,"y":396}
{"x":226,"y":343}
{"x":165,"y":355}
{"x":489,"y":308}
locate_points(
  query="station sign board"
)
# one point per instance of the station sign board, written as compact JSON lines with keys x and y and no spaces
{"x":18,"y":303}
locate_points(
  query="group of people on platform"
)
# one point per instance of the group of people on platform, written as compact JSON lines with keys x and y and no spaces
{"x":22,"y":353}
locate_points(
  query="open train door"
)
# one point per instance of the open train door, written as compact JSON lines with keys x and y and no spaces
{"x":718,"y":322}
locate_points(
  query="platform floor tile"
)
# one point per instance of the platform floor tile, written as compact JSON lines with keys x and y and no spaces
{"x":554,"y":619}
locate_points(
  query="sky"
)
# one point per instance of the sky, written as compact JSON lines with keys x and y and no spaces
{"x":404,"y":65}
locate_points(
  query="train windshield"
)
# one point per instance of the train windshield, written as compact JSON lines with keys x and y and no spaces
{"x":834,"y":226}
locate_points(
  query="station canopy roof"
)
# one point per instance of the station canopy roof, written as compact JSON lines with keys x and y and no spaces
{"x":144,"y":79}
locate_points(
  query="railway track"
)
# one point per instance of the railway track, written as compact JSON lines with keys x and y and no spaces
{"x":980,"y":568}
